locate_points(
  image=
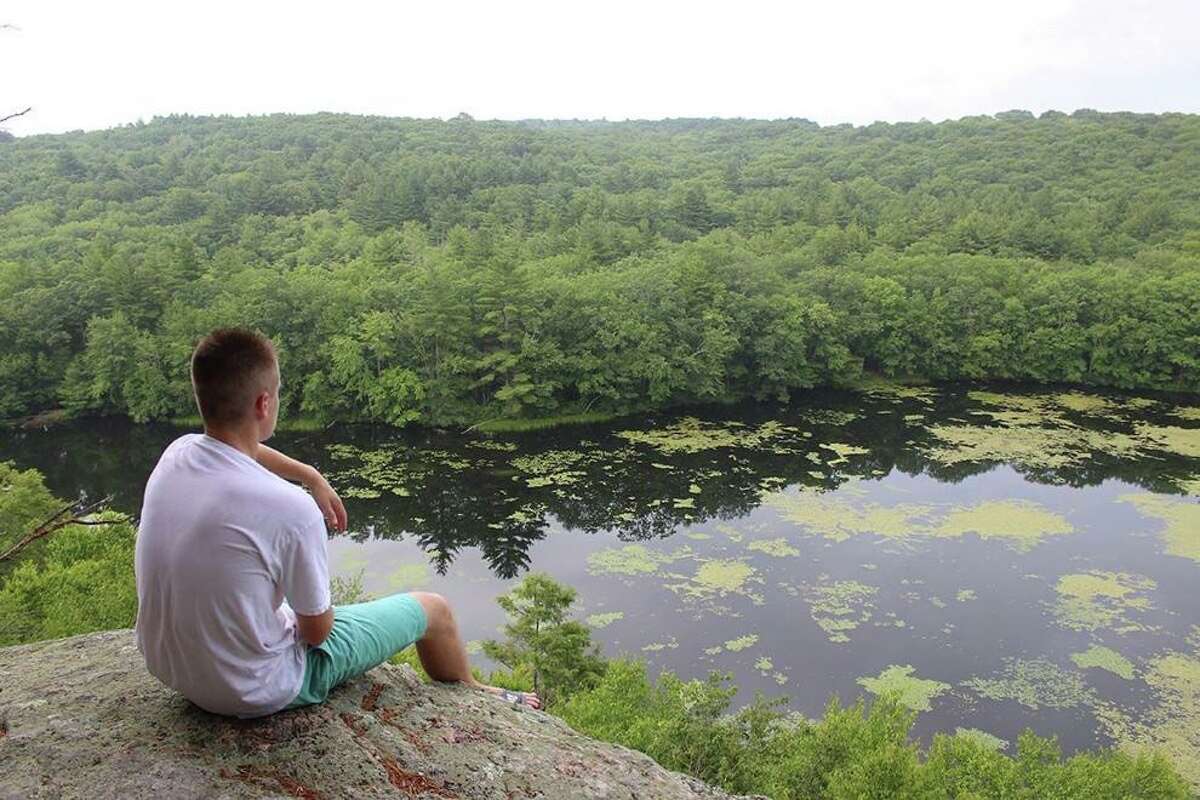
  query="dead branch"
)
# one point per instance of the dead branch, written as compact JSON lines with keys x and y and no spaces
{"x":14,"y":116}
{"x":71,"y":514}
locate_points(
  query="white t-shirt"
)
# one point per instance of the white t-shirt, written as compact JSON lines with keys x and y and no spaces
{"x":221,"y":543}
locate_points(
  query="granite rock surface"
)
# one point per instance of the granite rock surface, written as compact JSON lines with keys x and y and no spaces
{"x":81,"y":718}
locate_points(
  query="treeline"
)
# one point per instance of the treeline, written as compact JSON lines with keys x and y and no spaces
{"x":450,"y":272}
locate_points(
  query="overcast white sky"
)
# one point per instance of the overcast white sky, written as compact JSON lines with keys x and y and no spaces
{"x":98,"y":64}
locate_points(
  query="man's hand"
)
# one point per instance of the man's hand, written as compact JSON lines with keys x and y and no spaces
{"x":292,"y":470}
{"x":329,"y":503}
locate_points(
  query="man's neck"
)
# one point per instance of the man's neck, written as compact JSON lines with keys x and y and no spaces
{"x":242,"y":439}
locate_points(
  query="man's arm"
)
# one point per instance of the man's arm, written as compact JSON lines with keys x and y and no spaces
{"x":315,"y":629}
{"x":290,"y":469}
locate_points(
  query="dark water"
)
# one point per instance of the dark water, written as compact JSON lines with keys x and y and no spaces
{"x":980,"y":539}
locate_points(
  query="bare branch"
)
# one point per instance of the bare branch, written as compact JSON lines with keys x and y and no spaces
{"x":72,"y":514}
{"x":5,"y":26}
{"x":14,"y":116}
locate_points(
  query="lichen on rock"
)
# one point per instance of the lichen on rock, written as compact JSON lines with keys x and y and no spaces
{"x":82,"y":718}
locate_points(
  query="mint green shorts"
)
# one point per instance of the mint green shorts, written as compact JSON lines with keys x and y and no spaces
{"x":364,"y":635}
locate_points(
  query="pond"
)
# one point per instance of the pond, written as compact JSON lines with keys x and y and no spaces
{"x":1003,"y":558}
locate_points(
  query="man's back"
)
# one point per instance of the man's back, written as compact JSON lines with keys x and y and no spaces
{"x":221,"y":544}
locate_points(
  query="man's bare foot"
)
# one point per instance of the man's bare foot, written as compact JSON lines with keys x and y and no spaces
{"x":527,"y":698}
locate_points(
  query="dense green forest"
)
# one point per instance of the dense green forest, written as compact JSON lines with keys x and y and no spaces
{"x":458,"y":271}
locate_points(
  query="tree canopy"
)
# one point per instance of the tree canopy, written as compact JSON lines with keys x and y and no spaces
{"x":451,"y":272}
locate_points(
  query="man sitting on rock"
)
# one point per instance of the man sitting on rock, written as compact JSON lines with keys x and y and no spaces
{"x":234,"y":607}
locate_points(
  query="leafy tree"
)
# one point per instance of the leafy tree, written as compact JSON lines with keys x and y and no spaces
{"x":557,"y":651}
{"x":564,"y":267}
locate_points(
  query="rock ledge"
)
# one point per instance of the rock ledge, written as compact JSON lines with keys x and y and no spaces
{"x":81,"y":717}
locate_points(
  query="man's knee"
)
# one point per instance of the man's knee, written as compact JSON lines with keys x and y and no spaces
{"x":438,"y":616}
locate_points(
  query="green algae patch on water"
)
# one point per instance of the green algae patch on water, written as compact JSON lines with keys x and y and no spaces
{"x":1035,"y":431}
{"x":913,"y":692}
{"x":1105,"y":658}
{"x":554,"y":467}
{"x":965,"y":595}
{"x":1029,"y":446}
{"x":690,"y":435}
{"x":984,"y":738}
{"x":897,"y":393}
{"x":1018,"y":522}
{"x":764,"y":665}
{"x":844,"y":451}
{"x":1086,"y":403}
{"x":1180,"y":441}
{"x":1172,"y":725}
{"x":377,"y":469}
{"x":655,"y":647}
{"x":741,"y":643}
{"x":351,"y":560}
{"x":409,"y":576}
{"x":1182,"y":518}
{"x":724,"y":575}
{"x":496,"y":445}
{"x":631,"y":560}
{"x":838,"y":520}
{"x":717,"y":578}
{"x":840,"y":606}
{"x":1019,"y":402}
{"x":1098,"y":600}
{"x":604,"y":619}
{"x":773,"y":547}
{"x":1035,"y":683}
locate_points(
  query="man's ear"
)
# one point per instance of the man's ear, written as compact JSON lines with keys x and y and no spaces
{"x":262,"y":403}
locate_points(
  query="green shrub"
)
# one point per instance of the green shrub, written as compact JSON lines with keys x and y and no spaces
{"x":558,"y":652}
{"x":852,"y":752}
{"x":84,"y":583}
{"x":25,"y":503}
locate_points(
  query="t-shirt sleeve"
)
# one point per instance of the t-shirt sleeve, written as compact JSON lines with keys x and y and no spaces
{"x":304,"y":562}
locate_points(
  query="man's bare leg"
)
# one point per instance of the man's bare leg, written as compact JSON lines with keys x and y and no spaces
{"x":441,"y":649}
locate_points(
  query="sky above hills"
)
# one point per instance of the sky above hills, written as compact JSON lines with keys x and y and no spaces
{"x":97,"y":65}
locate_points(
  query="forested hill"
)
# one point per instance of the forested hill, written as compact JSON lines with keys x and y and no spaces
{"x":458,"y":271}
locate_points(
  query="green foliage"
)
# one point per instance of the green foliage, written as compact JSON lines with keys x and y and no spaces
{"x":25,"y":503}
{"x":75,"y":580}
{"x":557,"y":651}
{"x":851,"y":752}
{"x":84,"y":583}
{"x":456,"y":272}
{"x":678,"y":723}
{"x":348,"y":589}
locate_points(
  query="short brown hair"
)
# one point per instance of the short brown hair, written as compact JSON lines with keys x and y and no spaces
{"x":227,"y":366}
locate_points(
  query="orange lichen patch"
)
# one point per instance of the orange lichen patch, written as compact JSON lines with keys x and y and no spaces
{"x":413,"y":784}
{"x":572,"y":768}
{"x":371,"y":698}
{"x":388,"y":715}
{"x":352,"y":724}
{"x":459,"y":735}
{"x":261,"y":777}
